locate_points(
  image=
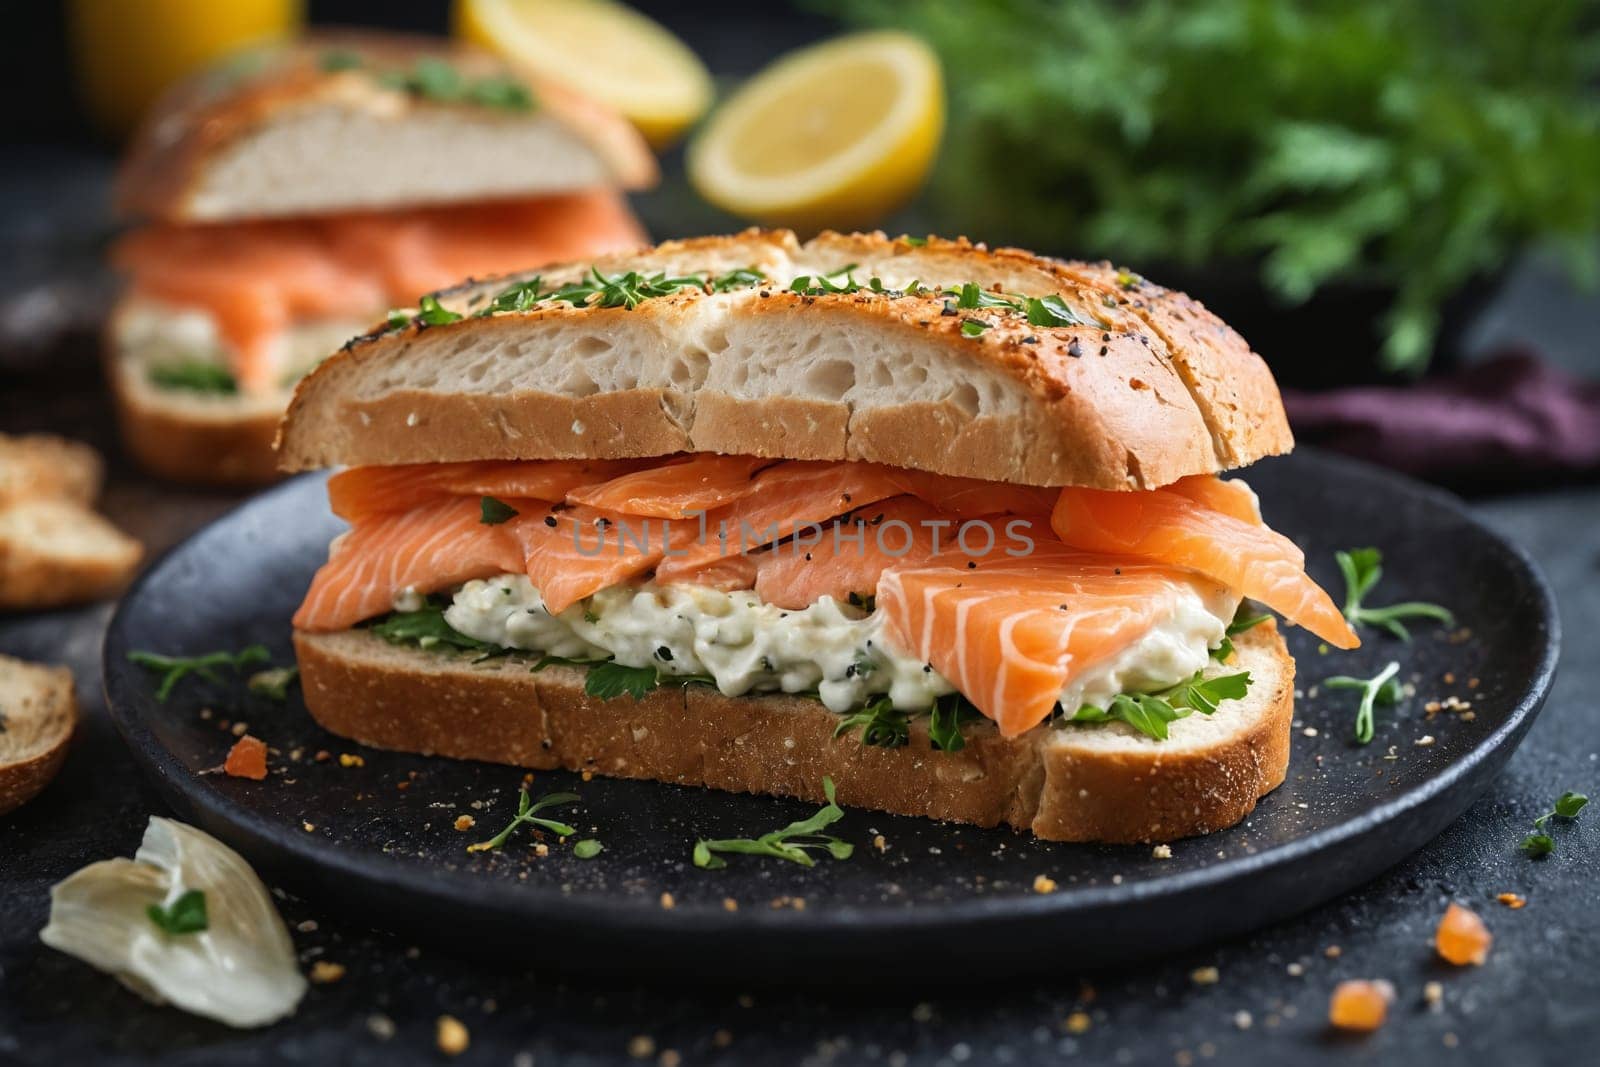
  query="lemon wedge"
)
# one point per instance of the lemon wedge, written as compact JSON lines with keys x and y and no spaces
{"x":835,"y":135}
{"x":604,"y":50}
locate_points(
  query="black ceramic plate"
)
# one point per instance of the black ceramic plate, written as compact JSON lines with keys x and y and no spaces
{"x":936,"y":900}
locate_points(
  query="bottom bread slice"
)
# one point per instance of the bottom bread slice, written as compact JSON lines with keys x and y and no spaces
{"x":1102,"y":782}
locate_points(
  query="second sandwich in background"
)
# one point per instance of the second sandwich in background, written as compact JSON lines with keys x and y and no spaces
{"x":294,"y":196}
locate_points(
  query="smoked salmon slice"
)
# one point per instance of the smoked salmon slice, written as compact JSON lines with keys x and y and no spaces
{"x":427,"y":549}
{"x":259,"y":278}
{"x":676,"y":489}
{"x":1230,"y":498}
{"x":971,"y":498}
{"x":1172,"y":527}
{"x":1013,"y":632}
{"x":785,"y":499}
{"x":900,"y":532}
{"x":573,"y":552}
{"x":359,"y":492}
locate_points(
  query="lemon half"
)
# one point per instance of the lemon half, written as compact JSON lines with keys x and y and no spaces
{"x":836,"y":135}
{"x":604,"y":50}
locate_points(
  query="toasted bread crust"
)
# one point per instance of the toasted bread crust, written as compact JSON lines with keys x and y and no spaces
{"x":41,"y":710}
{"x":196,"y":122}
{"x":1055,"y":782}
{"x":1148,"y":388}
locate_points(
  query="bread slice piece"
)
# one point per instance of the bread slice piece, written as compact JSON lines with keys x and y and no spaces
{"x":38,"y":466}
{"x":347,"y":122}
{"x":38,"y":710}
{"x":1111,"y":391}
{"x":56,"y":552}
{"x":187,"y":436}
{"x":1103,"y":782}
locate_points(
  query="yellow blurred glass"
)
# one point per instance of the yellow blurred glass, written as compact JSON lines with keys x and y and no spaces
{"x":125,"y":52}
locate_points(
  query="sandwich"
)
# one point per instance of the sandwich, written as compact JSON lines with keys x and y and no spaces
{"x":292,"y":196}
{"x":942,"y":524}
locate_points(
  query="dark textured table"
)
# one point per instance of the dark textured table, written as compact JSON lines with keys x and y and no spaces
{"x":1536,"y":1001}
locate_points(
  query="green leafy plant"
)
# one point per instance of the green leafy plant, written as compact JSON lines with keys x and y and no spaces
{"x":1362,"y":567}
{"x":1381,"y":688}
{"x":1152,"y":713}
{"x":789,"y":843}
{"x":882,"y":725}
{"x":528,"y":815}
{"x":1540,"y":843}
{"x":194,"y":376}
{"x":273,"y":683}
{"x":493,"y":512}
{"x":185,"y":915}
{"x":426,"y":628}
{"x":1407,"y":143}
{"x":174,"y":669}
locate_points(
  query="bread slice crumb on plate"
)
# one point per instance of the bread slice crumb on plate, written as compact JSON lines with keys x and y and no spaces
{"x":35,"y":466}
{"x":38,"y":710}
{"x":53,"y":549}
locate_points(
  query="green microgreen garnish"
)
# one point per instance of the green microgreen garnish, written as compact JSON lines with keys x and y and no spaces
{"x":436,"y":79}
{"x":587,"y":849}
{"x":273,"y":683}
{"x":789,"y":843}
{"x":185,"y":915}
{"x":742,"y":278}
{"x":426,"y":628}
{"x":527,"y":812}
{"x":882,"y":724}
{"x":609,"y":680}
{"x":493,"y":512}
{"x":1567,"y":806}
{"x":1241,"y":622}
{"x":1362,"y":567}
{"x":1152,"y":713}
{"x":973,"y":327}
{"x":432,"y":313}
{"x":1382,"y":688}
{"x":195,"y":376}
{"x":949,"y":714}
{"x":174,"y":669}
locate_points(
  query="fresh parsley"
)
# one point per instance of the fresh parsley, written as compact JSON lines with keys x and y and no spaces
{"x":1382,"y":688}
{"x":493,"y":512}
{"x":185,"y":915}
{"x":609,"y":680}
{"x":1152,"y":713}
{"x":742,"y":278}
{"x":882,"y":725}
{"x":1241,"y":622}
{"x":432,"y":313}
{"x":789,"y":843}
{"x":1362,"y":567}
{"x":425,"y":628}
{"x":436,"y":79}
{"x":273,"y":683}
{"x":946,"y":718}
{"x":174,"y":669}
{"x":195,"y":376}
{"x":973,"y":327}
{"x":527,"y":814}
{"x":1568,"y":805}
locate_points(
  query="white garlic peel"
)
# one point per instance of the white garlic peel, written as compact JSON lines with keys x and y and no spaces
{"x":240,"y":970}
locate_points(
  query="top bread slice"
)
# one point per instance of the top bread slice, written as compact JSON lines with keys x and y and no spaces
{"x":1144,"y":388}
{"x":326,"y":125}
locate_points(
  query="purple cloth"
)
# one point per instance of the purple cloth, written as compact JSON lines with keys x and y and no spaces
{"x":1511,"y":418}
